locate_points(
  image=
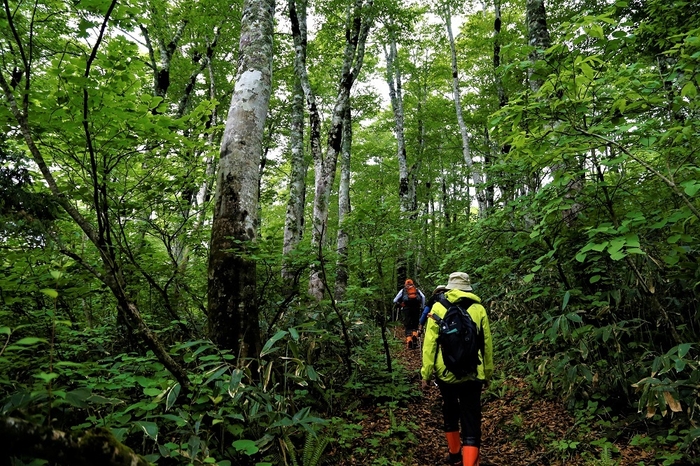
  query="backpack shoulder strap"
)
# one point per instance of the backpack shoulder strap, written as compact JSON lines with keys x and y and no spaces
{"x":462,"y":303}
{"x":445,"y":303}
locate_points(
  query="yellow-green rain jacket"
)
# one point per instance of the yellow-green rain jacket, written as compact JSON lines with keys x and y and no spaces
{"x":430,"y":346}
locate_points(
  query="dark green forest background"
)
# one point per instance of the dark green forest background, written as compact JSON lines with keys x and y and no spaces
{"x":586,"y":255}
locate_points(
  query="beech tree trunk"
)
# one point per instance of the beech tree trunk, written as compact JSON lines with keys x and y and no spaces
{"x":294,"y":219}
{"x":537,"y":37}
{"x":506,"y":189}
{"x":341,"y":275}
{"x":232,"y":307}
{"x":393,"y":80}
{"x":358,"y":23}
{"x":407,"y":196}
{"x":474,"y":171}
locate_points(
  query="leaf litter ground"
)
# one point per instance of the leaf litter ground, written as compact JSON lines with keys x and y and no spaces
{"x":518,"y":429}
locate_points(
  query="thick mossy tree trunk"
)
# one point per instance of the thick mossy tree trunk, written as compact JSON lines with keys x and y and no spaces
{"x":232,"y":309}
{"x":22,"y":439}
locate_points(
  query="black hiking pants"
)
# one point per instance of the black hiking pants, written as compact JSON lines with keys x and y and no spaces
{"x":461,"y":405}
{"x":411,"y":314}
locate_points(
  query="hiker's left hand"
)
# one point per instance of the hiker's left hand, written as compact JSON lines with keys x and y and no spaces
{"x":424,"y":385}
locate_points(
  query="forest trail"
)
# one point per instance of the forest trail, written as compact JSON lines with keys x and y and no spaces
{"x":517,"y":430}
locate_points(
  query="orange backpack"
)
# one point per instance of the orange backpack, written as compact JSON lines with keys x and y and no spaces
{"x":410,"y":292}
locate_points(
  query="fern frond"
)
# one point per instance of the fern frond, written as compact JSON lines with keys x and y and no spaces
{"x":309,"y":447}
{"x":318,"y":452}
{"x":290,"y":449}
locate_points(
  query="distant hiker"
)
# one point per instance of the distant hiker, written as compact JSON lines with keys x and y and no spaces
{"x":411,"y":301}
{"x":440,"y":289}
{"x":461,"y":394}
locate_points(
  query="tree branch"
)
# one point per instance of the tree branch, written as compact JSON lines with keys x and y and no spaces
{"x":669,"y":183}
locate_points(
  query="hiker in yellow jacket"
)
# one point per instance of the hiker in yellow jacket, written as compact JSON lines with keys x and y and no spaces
{"x":461,"y":396}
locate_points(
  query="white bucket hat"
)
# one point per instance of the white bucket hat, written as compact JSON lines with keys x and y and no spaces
{"x":459,"y":281}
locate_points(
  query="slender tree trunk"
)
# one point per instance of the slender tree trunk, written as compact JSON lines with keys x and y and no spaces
{"x":357,"y":28}
{"x":341,"y":277}
{"x":537,"y":37}
{"x":204,"y":194}
{"x":473,"y":170}
{"x":407,"y":199}
{"x":393,"y":80}
{"x":506,"y":188}
{"x":294,"y":219}
{"x":233,"y":311}
{"x":161,"y":65}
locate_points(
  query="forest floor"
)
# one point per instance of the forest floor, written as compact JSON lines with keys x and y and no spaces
{"x":518,"y":429}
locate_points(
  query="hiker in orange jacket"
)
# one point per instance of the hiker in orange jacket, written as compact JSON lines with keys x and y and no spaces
{"x":411,"y":301}
{"x":461,"y":396}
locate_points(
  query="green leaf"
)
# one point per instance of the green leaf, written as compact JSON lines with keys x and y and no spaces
{"x":312,"y":374}
{"x":565,"y":301}
{"x":671,"y":259}
{"x":596,"y":31}
{"x":594,"y":279}
{"x":78,"y":397}
{"x":587,"y":71}
{"x":683,"y":349}
{"x":152,"y":391}
{"x":5,"y":330}
{"x":616,"y":256}
{"x":45,"y":377}
{"x":581,"y":257}
{"x":28,"y":341}
{"x":528,"y":278}
{"x":616,"y":245}
{"x":631,"y":240}
{"x":50,"y":293}
{"x":246,"y":446}
{"x":689,"y":90}
{"x":691,"y":187}
{"x":149,"y":428}
{"x":236,"y":381}
{"x":217,"y":374}
{"x":294,"y":334}
{"x":600,"y":246}
{"x":270,"y":343}
{"x":679,"y":365}
{"x":172,"y":396}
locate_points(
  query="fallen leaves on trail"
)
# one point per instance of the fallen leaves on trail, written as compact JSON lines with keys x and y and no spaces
{"x":518,"y":429}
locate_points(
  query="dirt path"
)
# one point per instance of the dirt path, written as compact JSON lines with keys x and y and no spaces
{"x":517,"y":430}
